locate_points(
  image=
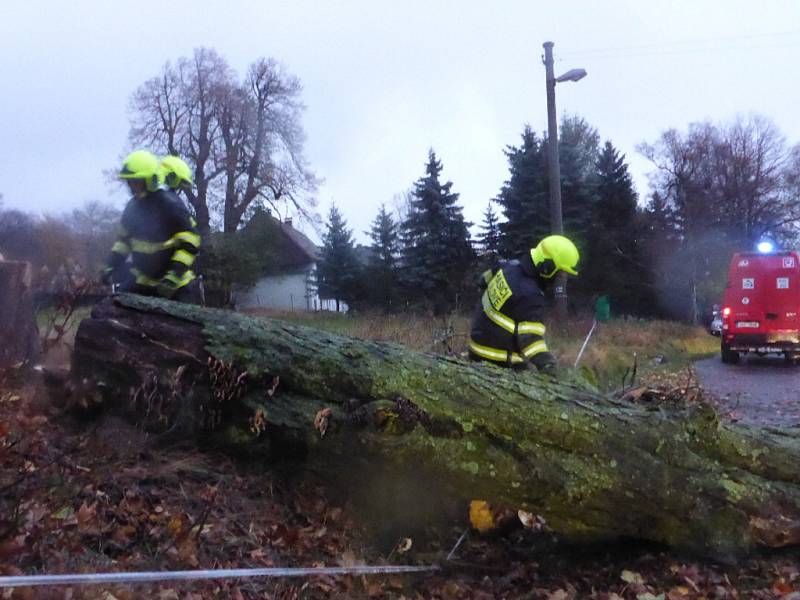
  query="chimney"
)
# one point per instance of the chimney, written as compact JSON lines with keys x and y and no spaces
{"x":288,"y":221}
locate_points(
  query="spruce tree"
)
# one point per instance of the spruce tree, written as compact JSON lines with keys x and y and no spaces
{"x":578,"y":153}
{"x":338,"y":267}
{"x":489,"y":238}
{"x":437,"y":252}
{"x":381,"y":282}
{"x":524,"y":197}
{"x":615,"y":258}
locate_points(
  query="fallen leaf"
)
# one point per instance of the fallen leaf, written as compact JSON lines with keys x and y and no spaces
{"x":480,"y":516}
{"x":531,"y":521}
{"x":632,"y":577}
{"x":404,"y":545}
{"x":526,"y":518}
{"x":374,"y":588}
{"x":85,"y":515}
{"x":63,"y":513}
{"x":122,"y":535}
{"x":781,"y":586}
{"x":321,"y":420}
{"x":177,"y":525}
{"x":678,"y":592}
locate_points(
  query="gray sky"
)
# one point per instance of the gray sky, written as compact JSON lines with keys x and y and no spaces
{"x":386,"y":80}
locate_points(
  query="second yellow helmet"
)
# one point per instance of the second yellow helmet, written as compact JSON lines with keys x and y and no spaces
{"x":177,"y":173}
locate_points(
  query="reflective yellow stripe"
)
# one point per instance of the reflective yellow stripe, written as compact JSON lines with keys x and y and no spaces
{"x":531,"y":327}
{"x":494,"y":353}
{"x":142,"y":279}
{"x":121,"y":248}
{"x":181,"y":281}
{"x":185,"y":236}
{"x":145,"y":247}
{"x":148,"y":247}
{"x":193,"y":221}
{"x":496,"y":317}
{"x":534,"y":349}
{"x":487,"y":276}
{"x":182,"y":256}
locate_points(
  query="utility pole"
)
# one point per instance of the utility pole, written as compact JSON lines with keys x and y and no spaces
{"x":554,"y":175}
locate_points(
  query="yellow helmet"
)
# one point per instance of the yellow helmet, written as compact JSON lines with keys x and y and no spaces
{"x":143,"y":165}
{"x":176,"y":172}
{"x":558,"y":249}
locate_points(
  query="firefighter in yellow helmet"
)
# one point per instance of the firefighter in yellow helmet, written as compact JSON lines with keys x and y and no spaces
{"x":158,"y":240}
{"x":177,"y":174}
{"x":508,"y":328}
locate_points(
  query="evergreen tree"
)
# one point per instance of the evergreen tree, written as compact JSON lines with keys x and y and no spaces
{"x":338,"y":267}
{"x":578,"y":153}
{"x":489,"y":238}
{"x":382,"y":270}
{"x":437,"y":253}
{"x":613,"y":257}
{"x":524,"y":197}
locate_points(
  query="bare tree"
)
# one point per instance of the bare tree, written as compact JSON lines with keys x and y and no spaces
{"x":244,"y":140}
{"x":749,"y":164}
{"x":730,"y":177}
{"x":95,"y":225}
{"x":725,"y":186}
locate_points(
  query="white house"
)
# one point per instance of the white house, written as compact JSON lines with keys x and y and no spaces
{"x":293,"y":286}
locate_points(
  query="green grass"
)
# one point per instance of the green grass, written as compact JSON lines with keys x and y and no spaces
{"x":655,"y":347}
{"x":659,"y":346}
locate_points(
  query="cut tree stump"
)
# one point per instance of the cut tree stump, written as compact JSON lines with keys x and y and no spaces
{"x":19,"y":336}
{"x":594,"y":467}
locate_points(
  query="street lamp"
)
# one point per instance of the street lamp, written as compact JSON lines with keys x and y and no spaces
{"x":572,"y":75}
{"x":556,"y":222}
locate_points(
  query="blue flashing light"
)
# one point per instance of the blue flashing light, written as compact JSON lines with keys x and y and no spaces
{"x":765,"y":247}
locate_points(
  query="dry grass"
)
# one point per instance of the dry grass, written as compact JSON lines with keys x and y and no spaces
{"x":658,"y":345}
{"x":421,"y":333}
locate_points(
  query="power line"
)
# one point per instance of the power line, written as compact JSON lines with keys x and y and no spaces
{"x":677,"y":52}
{"x":684,"y":42}
{"x":686,"y":46}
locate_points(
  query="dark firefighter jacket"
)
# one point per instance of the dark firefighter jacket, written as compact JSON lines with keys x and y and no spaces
{"x":507,"y":327}
{"x":161,"y":238}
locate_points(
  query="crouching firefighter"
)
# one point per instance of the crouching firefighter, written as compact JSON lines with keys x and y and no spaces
{"x":508,"y":328}
{"x":156,"y":233}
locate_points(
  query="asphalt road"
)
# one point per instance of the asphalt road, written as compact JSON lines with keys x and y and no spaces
{"x":762,"y":391}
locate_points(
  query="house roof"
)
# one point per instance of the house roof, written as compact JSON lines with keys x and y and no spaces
{"x":306,"y":247}
{"x":292,"y":249}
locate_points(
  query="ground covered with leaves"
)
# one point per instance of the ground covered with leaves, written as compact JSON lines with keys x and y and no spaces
{"x":98,"y":495}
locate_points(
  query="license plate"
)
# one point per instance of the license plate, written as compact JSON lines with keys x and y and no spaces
{"x":747,"y":324}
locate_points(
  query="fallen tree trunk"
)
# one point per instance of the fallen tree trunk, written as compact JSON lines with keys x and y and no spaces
{"x":596,"y":468}
{"x":19,"y":336}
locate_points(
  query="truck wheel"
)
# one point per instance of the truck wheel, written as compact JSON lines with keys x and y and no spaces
{"x":729,"y":357}
{"x":791,"y":358}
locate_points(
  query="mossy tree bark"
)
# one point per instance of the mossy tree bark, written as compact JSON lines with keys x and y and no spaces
{"x":19,"y":336}
{"x":596,"y":468}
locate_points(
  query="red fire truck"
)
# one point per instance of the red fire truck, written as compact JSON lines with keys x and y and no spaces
{"x":761,"y":306}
